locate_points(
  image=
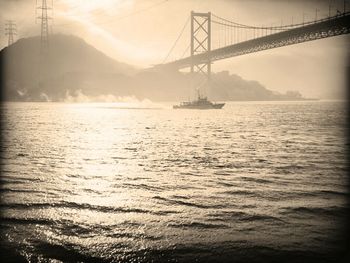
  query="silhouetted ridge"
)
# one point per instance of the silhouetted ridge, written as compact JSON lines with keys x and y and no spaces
{"x":75,"y":71}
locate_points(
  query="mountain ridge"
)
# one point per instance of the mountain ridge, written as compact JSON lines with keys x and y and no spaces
{"x":73,"y":66}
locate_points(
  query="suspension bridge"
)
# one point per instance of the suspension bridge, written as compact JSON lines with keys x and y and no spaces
{"x":214,"y":38}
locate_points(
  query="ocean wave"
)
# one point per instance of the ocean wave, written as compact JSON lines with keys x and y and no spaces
{"x":132,"y":235}
{"x":329,"y":192}
{"x":84,"y":230}
{"x":62,"y":253}
{"x":239,"y":216}
{"x":229,"y":166}
{"x":228,"y":251}
{"x":226,"y":184}
{"x":71,"y":228}
{"x":7,"y":179}
{"x":271,"y":195}
{"x":258,"y":217}
{"x":226,"y":215}
{"x":185,"y":203}
{"x":198,"y":225}
{"x":4,"y":190}
{"x":256,"y":180}
{"x":26,"y":221}
{"x":316,"y":211}
{"x":240,"y":192}
{"x":105,"y":209}
{"x":143,"y":186}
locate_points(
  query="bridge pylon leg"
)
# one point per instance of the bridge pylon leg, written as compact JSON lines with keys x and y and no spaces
{"x":200,"y":43}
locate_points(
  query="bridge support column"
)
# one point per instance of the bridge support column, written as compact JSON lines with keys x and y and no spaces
{"x":201,"y":43}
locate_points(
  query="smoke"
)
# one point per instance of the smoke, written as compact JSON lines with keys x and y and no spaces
{"x":45,"y":97}
{"x":118,"y":101}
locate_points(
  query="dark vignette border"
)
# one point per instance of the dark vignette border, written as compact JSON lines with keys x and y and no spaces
{"x":10,"y":254}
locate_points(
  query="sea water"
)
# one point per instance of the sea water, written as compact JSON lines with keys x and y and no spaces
{"x":254,"y":181}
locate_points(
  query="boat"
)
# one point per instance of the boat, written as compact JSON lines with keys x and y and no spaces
{"x":201,"y":103}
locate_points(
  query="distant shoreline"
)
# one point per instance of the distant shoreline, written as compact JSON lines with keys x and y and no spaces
{"x":176,"y":101}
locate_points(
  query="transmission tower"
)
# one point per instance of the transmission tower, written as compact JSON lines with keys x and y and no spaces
{"x":10,"y":31}
{"x":44,"y":21}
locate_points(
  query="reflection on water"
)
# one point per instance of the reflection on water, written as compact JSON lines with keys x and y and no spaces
{"x":91,"y":182}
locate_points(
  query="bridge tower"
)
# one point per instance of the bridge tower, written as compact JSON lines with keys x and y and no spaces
{"x":201,"y":43}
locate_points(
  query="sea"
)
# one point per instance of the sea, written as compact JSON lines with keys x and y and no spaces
{"x":113,"y":182}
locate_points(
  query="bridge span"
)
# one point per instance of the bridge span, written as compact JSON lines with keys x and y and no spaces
{"x":288,"y":35}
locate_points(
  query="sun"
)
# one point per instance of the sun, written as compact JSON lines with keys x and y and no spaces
{"x":89,"y":16}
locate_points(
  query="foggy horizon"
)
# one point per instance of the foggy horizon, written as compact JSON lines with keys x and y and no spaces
{"x":113,"y":27}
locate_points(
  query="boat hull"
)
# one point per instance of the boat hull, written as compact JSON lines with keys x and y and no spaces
{"x":200,"y":107}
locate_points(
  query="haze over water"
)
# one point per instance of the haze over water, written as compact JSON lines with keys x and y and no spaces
{"x":253,"y":181}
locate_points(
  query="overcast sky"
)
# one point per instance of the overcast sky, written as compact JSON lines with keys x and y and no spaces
{"x":141,"y":32}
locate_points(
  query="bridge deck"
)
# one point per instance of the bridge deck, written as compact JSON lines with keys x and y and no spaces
{"x":326,"y":28}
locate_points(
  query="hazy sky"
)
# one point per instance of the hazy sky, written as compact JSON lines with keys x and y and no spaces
{"x":141,"y":32}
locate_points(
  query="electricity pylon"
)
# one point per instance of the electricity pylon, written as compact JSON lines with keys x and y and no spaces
{"x":44,"y":21}
{"x":10,"y":31}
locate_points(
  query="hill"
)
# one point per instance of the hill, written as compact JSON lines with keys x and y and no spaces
{"x":73,"y":67}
